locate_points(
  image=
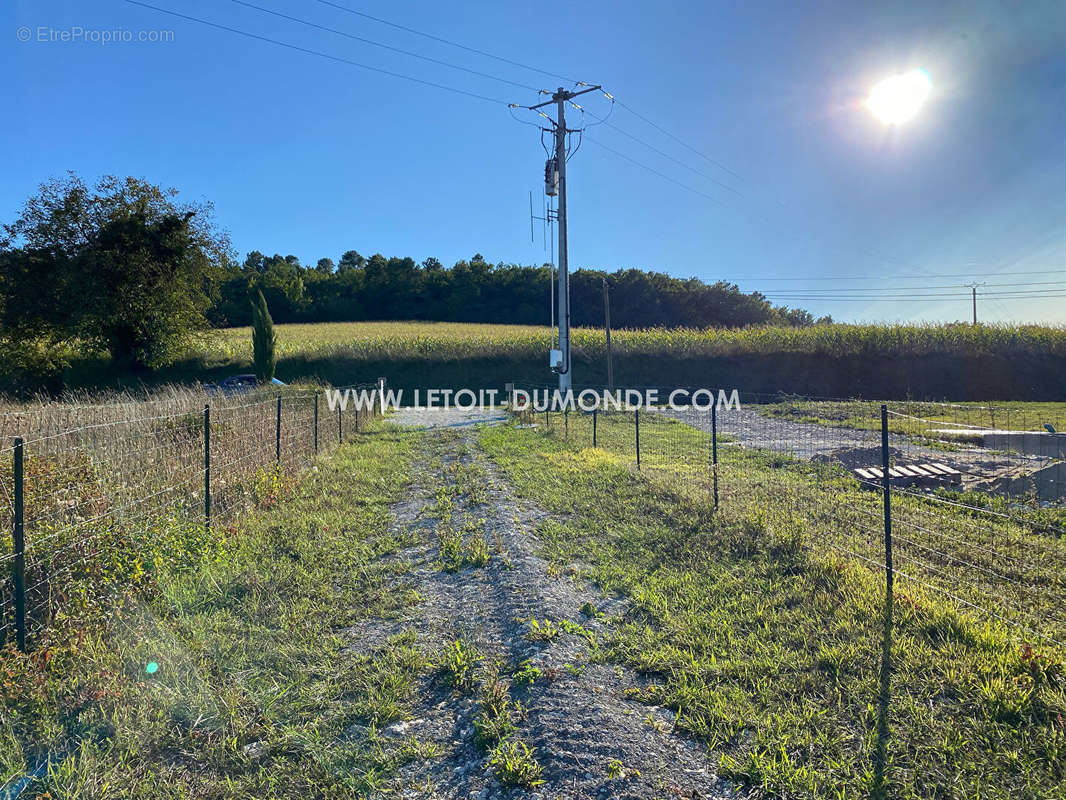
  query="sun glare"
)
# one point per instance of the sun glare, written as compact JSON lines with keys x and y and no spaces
{"x":897,"y":99}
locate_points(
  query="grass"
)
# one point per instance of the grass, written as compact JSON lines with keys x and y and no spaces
{"x":767,"y":641}
{"x":256,"y":691}
{"x":515,"y":764}
{"x":459,"y":665}
{"x":929,"y":361}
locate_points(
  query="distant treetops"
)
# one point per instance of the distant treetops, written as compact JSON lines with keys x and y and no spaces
{"x":475,"y":290}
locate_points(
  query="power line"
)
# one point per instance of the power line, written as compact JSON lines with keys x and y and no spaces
{"x":662,"y":175}
{"x":319,"y":53}
{"x":849,"y":298}
{"x":687,"y":146}
{"x":665,"y":155}
{"x":442,"y":40}
{"x":901,"y":299}
{"x":1061,"y":271}
{"x":873,"y":289}
{"x":539,"y":70}
{"x":920,"y":293}
{"x":353,"y":37}
{"x":549,"y":73}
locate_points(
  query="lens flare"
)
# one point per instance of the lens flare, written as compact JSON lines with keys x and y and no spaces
{"x":151,"y":668}
{"x":898,"y":99}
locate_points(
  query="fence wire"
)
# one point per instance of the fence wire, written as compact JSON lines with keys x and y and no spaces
{"x":113,"y":492}
{"x":978,"y":493}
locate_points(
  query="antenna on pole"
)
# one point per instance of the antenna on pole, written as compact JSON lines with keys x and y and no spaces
{"x":546,"y":219}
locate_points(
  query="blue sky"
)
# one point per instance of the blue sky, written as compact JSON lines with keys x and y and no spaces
{"x":308,"y":156}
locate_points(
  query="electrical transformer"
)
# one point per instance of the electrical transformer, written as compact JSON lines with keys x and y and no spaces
{"x":551,"y":178}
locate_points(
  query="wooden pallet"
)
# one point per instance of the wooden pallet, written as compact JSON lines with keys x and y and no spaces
{"x":928,"y":474}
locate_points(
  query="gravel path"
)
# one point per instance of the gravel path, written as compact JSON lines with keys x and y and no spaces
{"x":809,"y":440}
{"x":431,"y":418}
{"x":591,"y":740}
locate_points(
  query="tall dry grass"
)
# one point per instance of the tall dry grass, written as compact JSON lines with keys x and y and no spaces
{"x":114,"y":487}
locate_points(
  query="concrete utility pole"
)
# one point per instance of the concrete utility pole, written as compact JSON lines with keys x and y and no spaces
{"x":560,"y":98}
{"x":565,"y":378}
{"x":607,"y":326}
{"x":973,"y":289}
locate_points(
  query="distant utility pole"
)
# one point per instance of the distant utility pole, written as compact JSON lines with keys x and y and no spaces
{"x":973,"y":289}
{"x":607,"y":326}
{"x":560,"y":99}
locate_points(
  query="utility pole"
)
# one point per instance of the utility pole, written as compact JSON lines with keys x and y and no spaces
{"x":565,"y":379}
{"x":560,"y":98}
{"x":973,"y":289}
{"x":607,"y":326}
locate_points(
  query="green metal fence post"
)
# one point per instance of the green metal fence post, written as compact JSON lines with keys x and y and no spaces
{"x":714,"y":450}
{"x":636,"y":421}
{"x":207,"y":467}
{"x":277,"y":435}
{"x":18,"y":534}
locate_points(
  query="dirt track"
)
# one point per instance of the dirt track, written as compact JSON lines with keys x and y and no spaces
{"x":577,"y":716}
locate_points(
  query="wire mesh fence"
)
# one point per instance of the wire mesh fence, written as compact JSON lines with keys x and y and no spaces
{"x":972,"y":509}
{"x":99,"y":497}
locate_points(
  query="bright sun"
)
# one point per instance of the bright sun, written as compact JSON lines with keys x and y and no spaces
{"x":897,"y":99}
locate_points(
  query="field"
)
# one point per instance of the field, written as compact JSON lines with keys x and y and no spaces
{"x":916,"y":362}
{"x":404,"y":340}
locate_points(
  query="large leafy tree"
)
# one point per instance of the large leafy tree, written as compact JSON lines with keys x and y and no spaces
{"x":120,"y":265}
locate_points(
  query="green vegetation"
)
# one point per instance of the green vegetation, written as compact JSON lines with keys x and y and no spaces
{"x":118,"y":267}
{"x":264,"y":341}
{"x":255,"y":691}
{"x":515,"y":764}
{"x":474,"y":290}
{"x":459,"y":664}
{"x":497,"y":717}
{"x":406,"y":341}
{"x":764,"y":635}
{"x":542,"y":631}
{"x":527,"y":673}
{"x":497,"y":714}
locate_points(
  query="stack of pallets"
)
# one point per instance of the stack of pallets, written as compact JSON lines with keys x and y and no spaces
{"x":928,"y":474}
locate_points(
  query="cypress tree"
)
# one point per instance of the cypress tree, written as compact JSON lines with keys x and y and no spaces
{"x":264,"y":340}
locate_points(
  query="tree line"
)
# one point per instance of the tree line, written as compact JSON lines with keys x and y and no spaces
{"x":123,"y":267}
{"x":476,"y":290}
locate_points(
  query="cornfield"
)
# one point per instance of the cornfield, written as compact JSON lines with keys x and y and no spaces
{"x":450,"y":340}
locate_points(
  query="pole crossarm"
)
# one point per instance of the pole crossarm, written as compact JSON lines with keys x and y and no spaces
{"x":562,"y":95}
